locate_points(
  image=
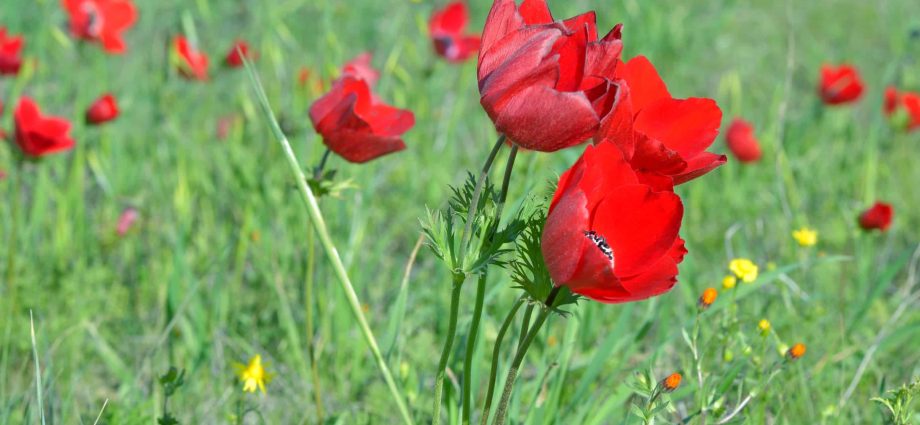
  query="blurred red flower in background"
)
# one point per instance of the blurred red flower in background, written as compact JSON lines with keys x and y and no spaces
{"x":191,"y":63}
{"x":10,"y":53}
{"x":546,"y":84}
{"x":126,"y":220}
{"x":903,"y":107}
{"x":878,"y":217}
{"x":101,"y":21}
{"x":839,"y":85}
{"x":742,"y":142}
{"x":240,"y":49}
{"x":103,"y":110}
{"x":447,"y":27}
{"x":657,"y":133}
{"x":354,"y":123}
{"x":608,"y":236}
{"x":360,"y":67}
{"x":39,"y":135}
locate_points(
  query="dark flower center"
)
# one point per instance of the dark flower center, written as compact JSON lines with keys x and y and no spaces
{"x":601,"y":243}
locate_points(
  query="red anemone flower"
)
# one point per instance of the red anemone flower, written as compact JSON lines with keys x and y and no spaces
{"x":10,"y":53}
{"x":840,"y":85}
{"x":608,"y":235}
{"x":39,"y":135}
{"x":905,"y":106}
{"x":240,"y":50}
{"x":742,"y":142}
{"x":103,"y":110}
{"x":546,"y":84}
{"x":354,"y":123}
{"x":191,"y":63}
{"x":101,"y":21}
{"x":657,"y":133}
{"x":447,"y":27}
{"x":360,"y":68}
{"x":878,"y":217}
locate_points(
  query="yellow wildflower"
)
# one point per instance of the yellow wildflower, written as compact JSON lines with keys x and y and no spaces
{"x":806,"y":236}
{"x":253,"y":375}
{"x":729,"y":282}
{"x":744,"y":269}
{"x":764,"y":326}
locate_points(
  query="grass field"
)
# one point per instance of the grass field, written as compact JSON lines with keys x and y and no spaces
{"x":215,"y":271}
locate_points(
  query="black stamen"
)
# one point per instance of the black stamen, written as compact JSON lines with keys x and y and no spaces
{"x":601,"y":243}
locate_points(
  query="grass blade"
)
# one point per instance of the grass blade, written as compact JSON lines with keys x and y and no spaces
{"x":320,"y":226}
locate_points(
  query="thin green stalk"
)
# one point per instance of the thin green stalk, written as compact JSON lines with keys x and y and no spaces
{"x":480,"y":296}
{"x":493,"y":371}
{"x":506,"y":181}
{"x":471,"y":347}
{"x":474,"y":204}
{"x":38,"y":370}
{"x":448,"y":346}
{"x":318,"y":171}
{"x":502,"y":412}
{"x":311,"y":336}
{"x":15,"y":206}
{"x":525,"y":323}
{"x":319,"y":225}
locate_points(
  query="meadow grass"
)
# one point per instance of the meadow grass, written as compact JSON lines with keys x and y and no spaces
{"x":216,"y":270}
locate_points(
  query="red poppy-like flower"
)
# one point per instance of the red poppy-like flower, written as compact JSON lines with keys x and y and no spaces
{"x":191,"y":63}
{"x":360,"y":67}
{"x":39,"y":135}
{"x":657,"y":133}
{"x":878,"y":217}
{"x":10,"y":53}
{"x":742,"y":142}
{"x":101,"y":21}
{"x":906,"y":105}
{"x":840,"y":85}
{"x":354,"y":123}
{"x":546,"y":84}
{"x":447,"y":27}
{"x":609,"y":235}
{"x":236,"y":54}
{"x":103,"y":110}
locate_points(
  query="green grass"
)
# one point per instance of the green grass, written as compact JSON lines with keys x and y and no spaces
{"x":216,"y":269}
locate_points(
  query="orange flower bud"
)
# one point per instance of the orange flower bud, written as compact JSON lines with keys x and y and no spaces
{"x":671,"y":383}
{"x":708,"y":297}
{"x":797,"y":350}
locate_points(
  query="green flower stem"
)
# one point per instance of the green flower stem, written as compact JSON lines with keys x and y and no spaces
{"x":448,"y":346}
{"x":493,"y":371}
{"x":502,"y":411}
{"x":480,"y":296}
{"x":503,"y":196}
{"x":474,"y":203}
{"x":525,"y":323}
{"x":318,"y":171}
{"x":319,"y":225}
{"x":471,"y":347}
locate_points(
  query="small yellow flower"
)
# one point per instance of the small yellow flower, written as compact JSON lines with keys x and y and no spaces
{"x":253,"y":375}
{"x":729,"y":282}
{"x":744,"y":269}
{"x":806,"y":236}
{"x":764,"y":326}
